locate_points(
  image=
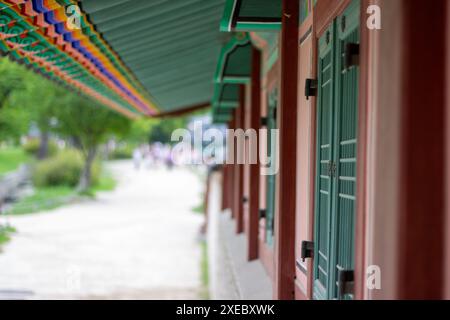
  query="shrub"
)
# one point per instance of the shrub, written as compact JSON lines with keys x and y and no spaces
{"x":120,"y":153}
{"x":32,"y":147}
{"x":64,"y":169}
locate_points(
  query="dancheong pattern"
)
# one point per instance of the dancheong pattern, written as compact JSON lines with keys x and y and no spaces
{"x":40,"y":34}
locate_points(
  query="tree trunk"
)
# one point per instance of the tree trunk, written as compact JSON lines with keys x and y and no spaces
{"x":43,"y":146}
{"x":86,"y":175}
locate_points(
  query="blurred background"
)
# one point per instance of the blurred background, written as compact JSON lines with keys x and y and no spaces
{"x":88,"y":196}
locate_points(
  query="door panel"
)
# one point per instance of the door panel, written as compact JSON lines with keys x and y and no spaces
{"x":336,"y":177}
{"x":347,"y":26}
{"x":324,"y":156}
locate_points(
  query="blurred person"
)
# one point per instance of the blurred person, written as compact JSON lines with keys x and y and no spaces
{"x":137,"y":158}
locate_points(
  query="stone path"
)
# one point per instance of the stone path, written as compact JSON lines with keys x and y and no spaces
{"x":138,"y":242}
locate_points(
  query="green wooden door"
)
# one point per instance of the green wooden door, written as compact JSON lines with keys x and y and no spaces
{"x":271,"y":152}
{"x":336,"y":155}
{"x":324,"y":159}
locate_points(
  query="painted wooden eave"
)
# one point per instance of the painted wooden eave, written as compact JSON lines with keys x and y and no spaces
{"x":137,"y":57}
{"x":251,"y":15}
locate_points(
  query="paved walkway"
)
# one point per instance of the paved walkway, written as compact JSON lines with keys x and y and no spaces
{"x":138,"y":242}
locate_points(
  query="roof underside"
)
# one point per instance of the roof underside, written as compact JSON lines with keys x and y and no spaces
{"x":135,"y":56}
{"x":251,"y":15}
{"x":140,"y":56}
{"x":171,"y":47}
{"x":43,"y":35}
{"x":233,"y":70}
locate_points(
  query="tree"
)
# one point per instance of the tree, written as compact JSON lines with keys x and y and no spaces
{"x":13,"y":120}
{"x":41,"y":97}
{"x":12,"y":76}
{"x":140,"y":130}
{"x":162,"y":130}
{"x":90,"y":124}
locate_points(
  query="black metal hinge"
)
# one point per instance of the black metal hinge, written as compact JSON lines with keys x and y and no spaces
{"x":244,"y":200}
{"x":345,"y":283}
{"x":263,"y":121}
{"x":351,"y":55}
{"x":262,"y":213}
{"x":307,"y":250}
{"x":310,"y":88}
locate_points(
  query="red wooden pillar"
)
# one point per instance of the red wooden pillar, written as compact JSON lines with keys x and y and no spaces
{"x":224,"y":187}
{"x":240,"y":167}
{"x":255,"y":122}
{"x":227,"y":186}
{"x":422,"y":197}
{"x":285,"y":215}
{"x":229,"y":167}
{"x":237,"y":192}
{"x":447,"y":161}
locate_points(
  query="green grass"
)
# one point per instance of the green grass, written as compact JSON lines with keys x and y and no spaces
{"x":200,"y":208}
{"x":204,"y":294}
{"x":50,"y":198}
{"x":5,"y":234}
{"x":47,"y":198}
{"x":106,"y":183}
{"x":11,"y":159}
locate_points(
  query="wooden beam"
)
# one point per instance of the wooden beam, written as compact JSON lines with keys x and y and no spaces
{"x":183,"y":111}
{"x":237,"y":193}
{"x":224,"y":186}
{"x":255,"y":123}
{"x":240,"y":188}
{"x":447,"y":161}
{"x":422,"y":198}
{"x":285,"y":215}
{"x":230,"y":168}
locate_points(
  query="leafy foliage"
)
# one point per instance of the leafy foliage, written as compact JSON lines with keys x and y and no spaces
{"x":31,"y":147}
{"x":88,"y":123}
{"x":162,"y":131}
{"x":64,"y":169}
{"x":121,"y":153}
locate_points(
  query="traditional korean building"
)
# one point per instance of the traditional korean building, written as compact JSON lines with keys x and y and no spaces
{"x":358,"y":89}
{"x":361,"y":188}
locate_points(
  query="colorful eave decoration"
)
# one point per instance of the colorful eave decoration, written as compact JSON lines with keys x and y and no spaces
{"x":40,"y":35}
